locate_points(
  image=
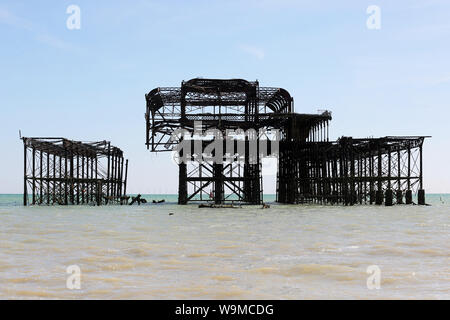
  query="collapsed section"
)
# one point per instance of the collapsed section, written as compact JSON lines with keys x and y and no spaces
{"x":61,"y":171}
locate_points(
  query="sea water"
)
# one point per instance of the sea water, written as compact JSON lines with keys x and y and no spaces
{"x":166,"y":251}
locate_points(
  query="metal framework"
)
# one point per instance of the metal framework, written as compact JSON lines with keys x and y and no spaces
{"x":351,"y":171}
{"x":223,"y":105}
{"x":310,"y":167}
{"x":62,"y":171}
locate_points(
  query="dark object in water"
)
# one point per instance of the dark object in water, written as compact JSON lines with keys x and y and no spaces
{"x":137,"y":199}
{"x":171,"y":214}
{"x":159,"y":201}
{"x":217,"y":206}
{"x":265,"y":206}
{"x":124,"y":200}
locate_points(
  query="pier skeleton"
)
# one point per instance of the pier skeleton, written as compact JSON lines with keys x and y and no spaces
{"x":310,"y":167}
{"x":62,"y":171}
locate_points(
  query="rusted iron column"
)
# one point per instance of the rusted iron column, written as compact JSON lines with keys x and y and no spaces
{"x":113,"y":176}
{"x":126,"y":177}
{"x":98,"y":186}
{"x":54,"y":178}
{"x":48,"y":178}
{"x":72,"y":195}
{"x":93,"y":178}
{"x":119,"y":182}
{"x":83,"y":187}
{"x":371,"y":181}
{"x":66,"y":199}
{"x":421,"y":192}
{"x":379,"y":194}
{"x":218,"y":183}
{"x":182,"y":184}
{"x":78,"y":179}
{"x":41,"y":186}
{"x":33,"y":175}
{"x":108,"y":173}
{"x":408,"y":195}
{"x":399,"y":193}
{"x":25,"y":189}
{"x":389,"y":194}
{"x":352,"y":173}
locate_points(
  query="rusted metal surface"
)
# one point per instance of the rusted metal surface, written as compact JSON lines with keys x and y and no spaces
{"x":350,"y":171}
{"x":61,"y":171}
{"x":310,"y":167}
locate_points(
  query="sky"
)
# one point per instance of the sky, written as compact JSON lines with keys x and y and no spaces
{"x":89,"y":83}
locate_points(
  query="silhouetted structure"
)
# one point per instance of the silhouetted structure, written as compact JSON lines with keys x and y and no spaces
{"x":62,"y":171}
{"x":351,"y":171}
{"x":310,"y":167}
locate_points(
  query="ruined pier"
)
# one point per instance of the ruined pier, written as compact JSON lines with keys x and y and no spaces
{"x":311,"y":168}
{"x":58,"y":171}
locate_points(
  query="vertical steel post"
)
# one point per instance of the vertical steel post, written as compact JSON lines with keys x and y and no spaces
{"x":83,"y":189}
{"x":72,"y":195}
{"x":54,"y":179}
{"x":34,"y":176}
{"x":78,"y":179}
{"x":48,"y":178}
{"x":25,"y":189}
{"x":126,"y":177}
{"x":182,"y":184}
{"x":379,"y":194}
{"x":108,"y":173}
{"x":66,"y":180}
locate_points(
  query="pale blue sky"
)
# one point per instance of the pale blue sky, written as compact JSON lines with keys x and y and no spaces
{"x":89,"y":84}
